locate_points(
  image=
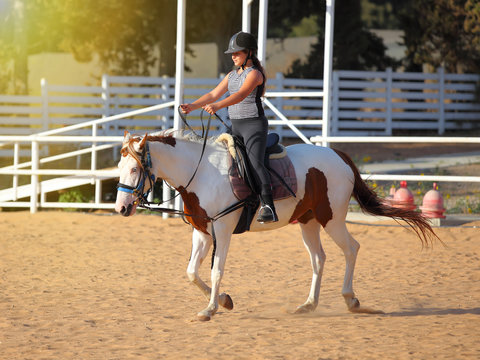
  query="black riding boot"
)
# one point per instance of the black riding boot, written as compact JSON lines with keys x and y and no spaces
{"x":267,"y":213}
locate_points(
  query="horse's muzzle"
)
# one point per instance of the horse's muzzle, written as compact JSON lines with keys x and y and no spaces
{"x":125,"y":211}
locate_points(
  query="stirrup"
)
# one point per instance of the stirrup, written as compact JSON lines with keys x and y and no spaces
{"x":266,"y":215}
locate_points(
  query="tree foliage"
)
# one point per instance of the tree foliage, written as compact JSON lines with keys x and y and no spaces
{"x":354,"y":47}
{"x":138,"y":37}
{"x":442,"y":33}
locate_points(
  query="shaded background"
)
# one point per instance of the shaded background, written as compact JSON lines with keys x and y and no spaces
{"x":138,"y":37}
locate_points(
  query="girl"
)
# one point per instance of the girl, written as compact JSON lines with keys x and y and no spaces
{"x":246,"y":86}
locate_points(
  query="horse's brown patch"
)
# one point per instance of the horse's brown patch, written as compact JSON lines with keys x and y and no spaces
{"x":315,"y":202}
{"x":191,"y":206}
{"x":169,"y":140}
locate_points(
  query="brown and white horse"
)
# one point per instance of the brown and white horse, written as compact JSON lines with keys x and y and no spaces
{"x":326,"y":180}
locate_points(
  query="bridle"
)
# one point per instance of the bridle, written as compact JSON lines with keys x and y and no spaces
{"x":146,"y":164}
{"x":146,"y":174}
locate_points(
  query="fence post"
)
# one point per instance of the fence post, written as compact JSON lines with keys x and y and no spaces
{"x":44,"y":93}
{"x":45,"y":112}
{"x":335,"y":122}
{"x":441,"y":100}
{"x":388,"y":100}
{"x":164,"y":97}
{"x":16,"y":153}
{"x":93,"y":167}
{"x":105,"y":97}
{"x":279,"y":76}
{"x":34,"y":178}
{"x":107,"y":103}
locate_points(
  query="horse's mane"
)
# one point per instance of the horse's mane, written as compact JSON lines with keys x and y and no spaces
{"x":165,"y":136}
{"x":189,"y":136}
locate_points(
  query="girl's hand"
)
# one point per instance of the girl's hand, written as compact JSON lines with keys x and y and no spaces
{"x":211,"y":108}
{"x":186,"y":108}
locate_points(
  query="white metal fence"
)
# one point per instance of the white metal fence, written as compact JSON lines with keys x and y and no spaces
{"x":63,"y":178}
{"x":384,"y":103}
{"x":364,"y":103}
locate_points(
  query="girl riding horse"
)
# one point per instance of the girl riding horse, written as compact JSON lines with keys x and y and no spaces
{"x":246,"y":86}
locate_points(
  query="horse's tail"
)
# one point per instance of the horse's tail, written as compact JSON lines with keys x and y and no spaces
{"x":371,"y":203}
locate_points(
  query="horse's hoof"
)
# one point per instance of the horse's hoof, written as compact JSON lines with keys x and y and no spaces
{"x":203,"y":317}
{"x":226,"y":301}
{"x":305,"y":308}
{"x":353,"y":305}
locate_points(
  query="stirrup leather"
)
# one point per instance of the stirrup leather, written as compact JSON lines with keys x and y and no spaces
{"x":266,"y":215}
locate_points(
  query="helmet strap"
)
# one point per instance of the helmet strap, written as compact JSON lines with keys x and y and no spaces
{"x":246,"y":60}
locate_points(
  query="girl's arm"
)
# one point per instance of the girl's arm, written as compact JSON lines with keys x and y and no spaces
{"x":208,"y":98}
{"x":253,"y":79}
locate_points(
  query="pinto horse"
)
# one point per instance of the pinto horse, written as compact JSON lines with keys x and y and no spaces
{"x":326,"y":180}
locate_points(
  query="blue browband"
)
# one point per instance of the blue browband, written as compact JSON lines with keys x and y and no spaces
{"x":138,"y":190}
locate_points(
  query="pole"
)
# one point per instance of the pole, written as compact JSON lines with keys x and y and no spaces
{"x":180,"y":62}
{"x":34,"y":178}
{"x":327,"y":69}
{"x":179,"y":72}
{"x":246,"y":15}
{"x":262,"y":31}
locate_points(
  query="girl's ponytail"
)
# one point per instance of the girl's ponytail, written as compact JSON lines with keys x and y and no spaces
{"x":260,"y":68}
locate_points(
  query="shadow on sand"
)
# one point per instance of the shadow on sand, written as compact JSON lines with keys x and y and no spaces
{"x":434,"y":311}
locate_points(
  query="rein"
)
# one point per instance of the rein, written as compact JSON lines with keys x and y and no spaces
{"x":141,"y":195}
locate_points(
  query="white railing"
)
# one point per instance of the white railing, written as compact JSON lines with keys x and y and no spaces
{"x":374,"y":103}
{"x":297,"y":111}
{"x":381,"y":103}
{"x":93,"y":175}
{"x":283,"y":119}
{"x":319,"y":140}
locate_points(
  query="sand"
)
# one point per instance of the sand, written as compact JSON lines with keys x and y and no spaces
{"x":86,"y":286}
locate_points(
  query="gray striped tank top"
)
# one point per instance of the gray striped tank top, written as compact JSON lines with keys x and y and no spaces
{"x":251,"y":106}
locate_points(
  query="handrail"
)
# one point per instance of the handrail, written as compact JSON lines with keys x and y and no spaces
{"x":108,"y":118}
{"x":88,"y":123}
{"x":61,"y":156}
{"x":294,"y":93}
{"x":443,"y":178}
{"x":404,"y":139}
{"x":56,"y":139}
{"x":395,"y":139}
{"x":286,"y":121}
{"x":51,"y":136}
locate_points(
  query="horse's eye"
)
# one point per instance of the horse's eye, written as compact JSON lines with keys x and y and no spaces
{"x":134,"y":170}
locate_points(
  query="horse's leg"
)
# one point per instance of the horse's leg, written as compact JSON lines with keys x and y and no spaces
{"x":339,"y":233}
{"x":201,"y":243}
{"x":223,"y":237}
{"x":311,"y":240}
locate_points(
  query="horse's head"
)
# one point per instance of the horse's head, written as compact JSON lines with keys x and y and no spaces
{"x":136,"y":179}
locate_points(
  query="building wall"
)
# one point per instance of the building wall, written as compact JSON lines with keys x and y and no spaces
{"x":63,"y":69}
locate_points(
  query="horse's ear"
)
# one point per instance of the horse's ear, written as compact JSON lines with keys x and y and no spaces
{"x":126,"y":136}
{"x":142,"y":143}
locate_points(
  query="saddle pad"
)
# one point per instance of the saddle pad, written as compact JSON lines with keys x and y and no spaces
{"x":282,"y":167}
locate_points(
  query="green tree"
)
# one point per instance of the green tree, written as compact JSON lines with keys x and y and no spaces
{"x":26,"y":28}
{"x":123,"y":34}
{"x":354,"y":48}
{"x":128,"y":37}
{"x":214,"y":21}
{"x":442,"y":33}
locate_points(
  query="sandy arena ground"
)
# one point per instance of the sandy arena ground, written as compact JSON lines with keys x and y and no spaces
{"x":85,"y":286}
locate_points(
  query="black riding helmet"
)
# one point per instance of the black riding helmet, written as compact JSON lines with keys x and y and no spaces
{"x":242,"y":41}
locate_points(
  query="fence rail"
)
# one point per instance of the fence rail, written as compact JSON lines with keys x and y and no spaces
{"x":94,"y":118}
{"x":363,"y":103}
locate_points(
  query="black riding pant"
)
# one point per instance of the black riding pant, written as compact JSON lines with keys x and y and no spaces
{"x":253,"y":132}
